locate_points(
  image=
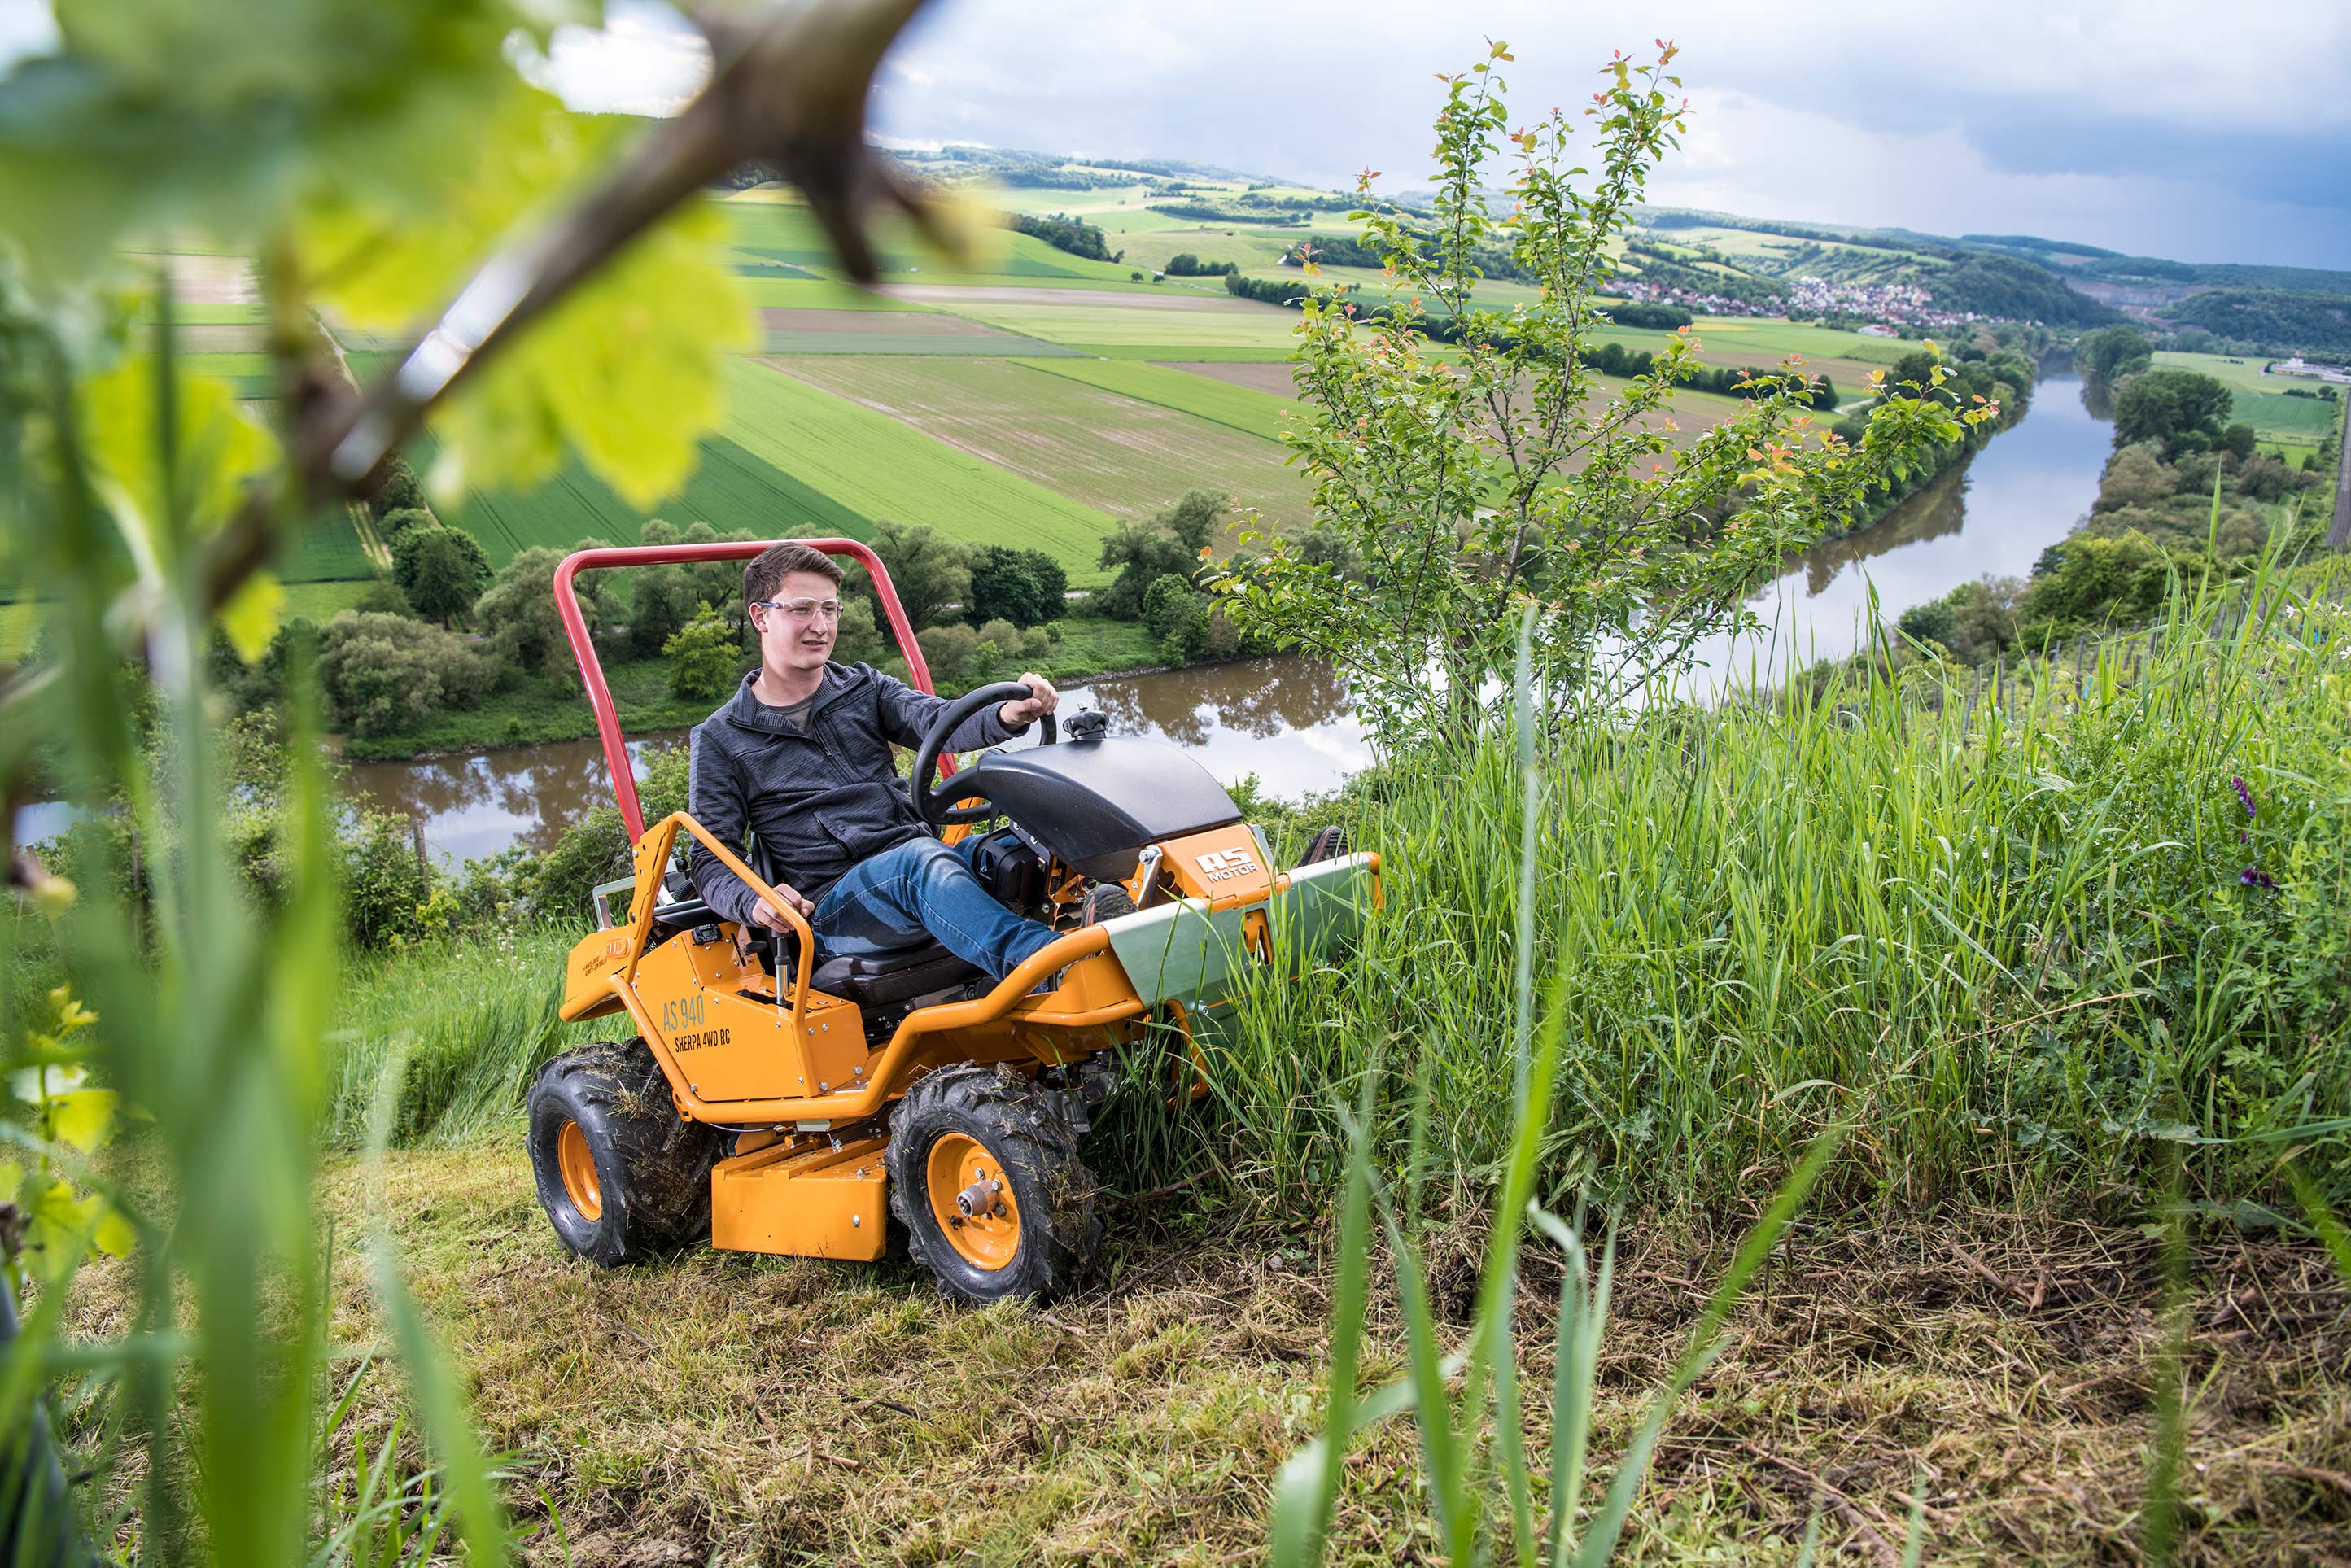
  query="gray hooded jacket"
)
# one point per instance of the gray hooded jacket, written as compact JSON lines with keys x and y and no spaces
{"x":821,"y":801}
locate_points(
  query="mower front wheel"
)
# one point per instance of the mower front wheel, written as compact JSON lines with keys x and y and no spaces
{"x":986,"y":1181}
{"x":620,"y":1173}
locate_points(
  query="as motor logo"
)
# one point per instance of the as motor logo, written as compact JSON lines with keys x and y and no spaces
{"x":1221,"y":865}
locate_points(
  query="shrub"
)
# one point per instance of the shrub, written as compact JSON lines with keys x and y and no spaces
{"x":984,"y":663}
{"x":704,"y":657}
{"x":382,"y":672}
{"x":947,"y":649}
{"x":520,"y":617}
{"x":385,"y":887}
{"x":929,"y":571}
{"x":596,"y":849}
{"x":382,"y":597}
{"x":2096,"y":582}
{"x":1025,"y":587}
{"x":661,"y":602}
{"x":1002,"y":635}
{"x":442,"y":571}
{"x":2136,"y":477}
{"x":1170,"y":544}
{"x":859,"y":638}
{"x":1035,"y":644}
{"x":399,"y":493}
{"x":400,"y":520}
{"x":1177,"y":614}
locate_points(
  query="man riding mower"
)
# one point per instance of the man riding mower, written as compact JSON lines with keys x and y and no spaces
{"x":876,"y":1013}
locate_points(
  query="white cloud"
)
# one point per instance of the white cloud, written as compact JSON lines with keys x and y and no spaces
{"x":2120,"y":125}
{"x":27,"y":29}
{"x":645,"y":59}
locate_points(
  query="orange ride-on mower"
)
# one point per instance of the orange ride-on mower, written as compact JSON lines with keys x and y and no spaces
{"x":778,"y":1103}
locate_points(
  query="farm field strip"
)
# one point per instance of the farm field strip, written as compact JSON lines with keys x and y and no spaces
{"x":788,"y":233}
{"x":839,"y":345}
{"x":1104,"y":448}
{"x":730,"y":488}
{"x":821,"y":294}
{"x":1215,"y":399}
{"x":1264,"y":327}
{"x":881,"y":467}
{"x":324,"y":549}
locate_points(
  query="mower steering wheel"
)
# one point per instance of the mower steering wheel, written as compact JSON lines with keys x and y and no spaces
{"x":937,"y":801}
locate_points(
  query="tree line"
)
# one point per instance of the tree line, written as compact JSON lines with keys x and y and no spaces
{"x":1608,"y":358}
{"x":1072,"y":234}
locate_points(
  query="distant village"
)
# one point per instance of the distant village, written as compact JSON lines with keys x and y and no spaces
{"x":1885,"y":305}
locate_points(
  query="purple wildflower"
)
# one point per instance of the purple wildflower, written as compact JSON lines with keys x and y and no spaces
{"x":2254,"y":876}
{"x":2243,"y":794}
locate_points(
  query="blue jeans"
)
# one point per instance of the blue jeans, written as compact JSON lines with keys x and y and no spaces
{"x":918,"y":890}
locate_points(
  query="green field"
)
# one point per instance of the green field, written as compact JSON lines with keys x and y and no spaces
{"x":325,"y":550}
{"x":875,"y":467}
{"x":776,"y":231}
{"x":1101,"y":447}
{"x":2263,"y":402}
{"x":1177,"y":324}
{"x":730,"y":490}
{"x":821,"y":294}
{"x":1219,"y":402}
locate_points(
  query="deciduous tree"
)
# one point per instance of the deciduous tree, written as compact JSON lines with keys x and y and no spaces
{"x":441,"y":570}
{"x":1500,"y":478}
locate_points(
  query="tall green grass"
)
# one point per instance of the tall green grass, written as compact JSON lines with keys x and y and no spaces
{"x":2021,"y":941}
{"x":463,"y":1025}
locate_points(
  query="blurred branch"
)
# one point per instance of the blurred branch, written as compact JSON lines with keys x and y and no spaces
{"x":788,"y":87}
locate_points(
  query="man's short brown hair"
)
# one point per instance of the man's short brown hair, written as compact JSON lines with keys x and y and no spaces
{"x":771,"y":565}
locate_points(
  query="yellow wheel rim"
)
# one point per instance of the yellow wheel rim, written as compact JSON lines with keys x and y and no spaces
{"x":577,"y":1165}
{"x":985,"y":1225}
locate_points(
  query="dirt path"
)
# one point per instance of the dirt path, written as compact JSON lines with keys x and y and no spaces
{"x":735,"y":1409}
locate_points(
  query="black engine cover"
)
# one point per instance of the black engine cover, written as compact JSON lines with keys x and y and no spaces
{"x":1096,"y":803}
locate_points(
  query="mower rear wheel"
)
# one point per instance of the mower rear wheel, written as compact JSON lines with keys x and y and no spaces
{"x":985,"y":1180}
{"x":620,"y":1173}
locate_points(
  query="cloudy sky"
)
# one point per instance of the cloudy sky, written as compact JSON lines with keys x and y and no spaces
{"x":2199,"y":131}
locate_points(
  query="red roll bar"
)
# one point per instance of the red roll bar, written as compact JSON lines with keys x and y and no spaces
{"x":591,"y":669}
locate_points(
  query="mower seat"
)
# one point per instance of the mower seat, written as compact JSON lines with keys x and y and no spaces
{"x":884,"y":979}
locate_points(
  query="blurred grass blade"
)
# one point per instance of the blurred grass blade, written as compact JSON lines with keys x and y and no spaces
{"x":1308,"y":1487}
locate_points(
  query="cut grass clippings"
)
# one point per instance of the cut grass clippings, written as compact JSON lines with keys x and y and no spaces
{"x":728,"y":1408}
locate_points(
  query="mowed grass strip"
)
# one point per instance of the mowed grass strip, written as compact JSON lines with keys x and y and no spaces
{"x":1214,"y":399}
{"x":821,"y":294}
{"x":731,"y":489}
{"x":912,"y":332}
{"x":1105,"y":449}
{"x":1139,"y":321}
{"x":882,"y":467}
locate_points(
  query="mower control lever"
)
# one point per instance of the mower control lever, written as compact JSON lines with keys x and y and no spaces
{"x":936,"y":801}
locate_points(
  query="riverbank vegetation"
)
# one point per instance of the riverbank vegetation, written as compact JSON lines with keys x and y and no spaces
{"x":2190,"y":494}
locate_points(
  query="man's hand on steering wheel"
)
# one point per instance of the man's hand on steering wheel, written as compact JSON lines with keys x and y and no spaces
{"x":1041,"y":699}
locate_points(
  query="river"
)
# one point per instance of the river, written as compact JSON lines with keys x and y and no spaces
{"x":1286,"y":720}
